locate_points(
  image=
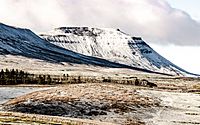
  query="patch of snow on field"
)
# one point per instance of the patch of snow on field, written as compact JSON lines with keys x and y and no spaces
{"x":176,"y":108}
{"x":7,"y":93}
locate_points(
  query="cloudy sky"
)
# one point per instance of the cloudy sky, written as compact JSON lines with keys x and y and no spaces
{"x":171,"y":27}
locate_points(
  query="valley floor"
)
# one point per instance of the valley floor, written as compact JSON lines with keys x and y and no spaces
{"x":175,"y":100}
{"x":167,"y":104}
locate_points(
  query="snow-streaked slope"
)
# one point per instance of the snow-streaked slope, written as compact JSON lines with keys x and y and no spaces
{"x":19,"y":42}
{"x":113,"y":45}
{"x":23,"y":42}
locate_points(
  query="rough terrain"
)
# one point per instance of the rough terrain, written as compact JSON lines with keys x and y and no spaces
{"x":175,"y":101}
{"x":7,"y":118}
{"x":102,"y":102}
{"x":175,"y":108}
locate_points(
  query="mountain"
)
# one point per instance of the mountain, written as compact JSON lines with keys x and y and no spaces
{"x":23,"y":42}
{"x":82,"y":45}
{"x":17,"y":44}
{"x":113,"y":45}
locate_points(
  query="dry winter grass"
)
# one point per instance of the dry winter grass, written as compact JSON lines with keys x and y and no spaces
{"x":103,"y":102}
{"x":117,"y":103}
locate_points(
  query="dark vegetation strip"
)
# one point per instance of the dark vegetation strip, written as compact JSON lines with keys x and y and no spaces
{"x":14,"y":77}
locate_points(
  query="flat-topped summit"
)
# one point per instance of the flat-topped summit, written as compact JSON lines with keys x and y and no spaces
{"x":85,"y":45}
{"x":113,"y":45}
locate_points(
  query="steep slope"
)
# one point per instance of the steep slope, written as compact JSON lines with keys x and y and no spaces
{"x":23,"y":42}
{"x":113,"y":45}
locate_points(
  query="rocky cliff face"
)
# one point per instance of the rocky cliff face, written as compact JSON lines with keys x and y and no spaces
{"x":23,"y":42}
{"x":113,"y":45}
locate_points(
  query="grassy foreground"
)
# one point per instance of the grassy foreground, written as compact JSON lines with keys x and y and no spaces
{"x":30,"y":119}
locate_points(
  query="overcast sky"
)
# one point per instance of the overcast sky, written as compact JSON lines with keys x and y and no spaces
{"x":170,"y":26}
{"x":190,"y":6}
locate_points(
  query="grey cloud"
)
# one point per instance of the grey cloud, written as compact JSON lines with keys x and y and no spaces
{"x":154,"y":20}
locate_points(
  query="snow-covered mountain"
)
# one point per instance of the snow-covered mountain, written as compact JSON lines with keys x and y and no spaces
{"x":83,"y":45}
{"x":113,"y":45}
{"x":23,"y":42}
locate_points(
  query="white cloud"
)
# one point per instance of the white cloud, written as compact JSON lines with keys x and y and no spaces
{"x":155,"y":20}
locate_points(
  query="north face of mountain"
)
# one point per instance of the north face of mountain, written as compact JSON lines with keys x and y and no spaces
{"x":113,"y":45}
{"x":23,"y":42}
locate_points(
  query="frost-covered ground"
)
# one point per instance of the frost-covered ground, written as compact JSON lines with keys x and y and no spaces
{"x":7,"y":93}
{"x":176,"y":108}
{"x":37,"y":66}
{"x":117,"y":103}
{"x":102,"y":102}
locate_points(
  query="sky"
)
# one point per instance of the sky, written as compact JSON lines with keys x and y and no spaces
{"x":171,"y":27}
{"x":183,"y":56}
{"x":190,"y":6}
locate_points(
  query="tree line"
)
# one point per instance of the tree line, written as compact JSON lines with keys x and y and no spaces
{"x":13,"y":77}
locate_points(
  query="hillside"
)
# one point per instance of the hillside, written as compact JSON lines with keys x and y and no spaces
{"x":80,"y":46}
{"x":113,"y":45}
{"x":25,"y":43}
